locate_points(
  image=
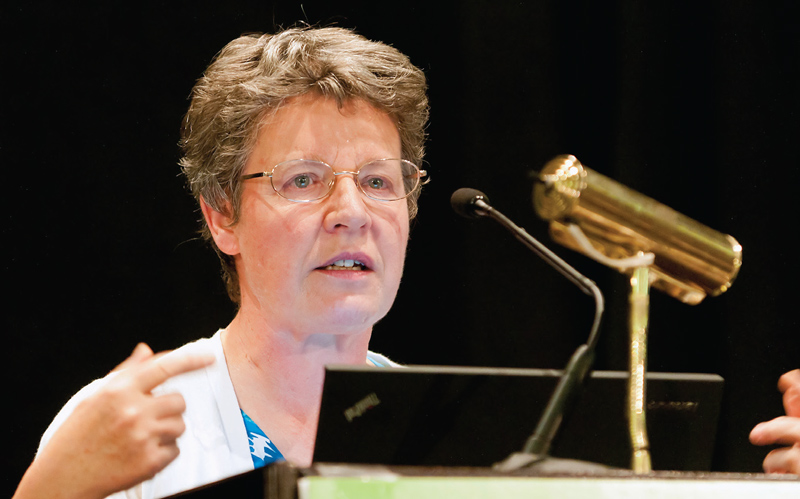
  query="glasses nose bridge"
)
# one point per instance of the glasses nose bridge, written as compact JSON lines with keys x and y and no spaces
{"x":354,"y":175}
{"x":345,"y":172}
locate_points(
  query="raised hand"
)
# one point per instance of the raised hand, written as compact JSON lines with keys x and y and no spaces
{"x":117,"y":437}
{"x":783,"y":429}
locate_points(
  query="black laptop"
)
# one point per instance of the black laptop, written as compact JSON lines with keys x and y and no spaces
{"x":452,"y":416}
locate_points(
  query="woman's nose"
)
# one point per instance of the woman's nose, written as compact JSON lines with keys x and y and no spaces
{"x":347,"y":204}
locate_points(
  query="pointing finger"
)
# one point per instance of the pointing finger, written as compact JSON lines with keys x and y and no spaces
{"x":163,"y":368}
{"x":141,"y":353}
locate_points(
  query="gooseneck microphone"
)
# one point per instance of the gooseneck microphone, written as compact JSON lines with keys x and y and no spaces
{"x":472,"y":203}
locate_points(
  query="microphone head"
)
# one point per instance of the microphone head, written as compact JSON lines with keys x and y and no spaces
{"x":463,"y":202}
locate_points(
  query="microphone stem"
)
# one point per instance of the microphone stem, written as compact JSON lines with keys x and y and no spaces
{"x":560,"y":402}
{"x":540,"y":249}
{"x":582,"y":282}
{"x":563,"y":397}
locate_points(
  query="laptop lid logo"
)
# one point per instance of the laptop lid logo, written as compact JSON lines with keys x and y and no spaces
{"x":361,"y":407}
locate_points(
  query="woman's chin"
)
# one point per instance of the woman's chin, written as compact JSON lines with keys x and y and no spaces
{"x":349,"y":319}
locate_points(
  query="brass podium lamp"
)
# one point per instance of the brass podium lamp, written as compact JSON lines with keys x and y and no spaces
{"x":653,"y":244}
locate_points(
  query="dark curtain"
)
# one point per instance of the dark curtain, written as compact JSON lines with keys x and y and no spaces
{"x":693,"y":104}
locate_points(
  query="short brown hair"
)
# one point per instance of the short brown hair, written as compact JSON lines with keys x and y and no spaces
{"x":250,"y":79}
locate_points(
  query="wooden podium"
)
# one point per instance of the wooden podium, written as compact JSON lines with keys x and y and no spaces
{"x":326,"y":481}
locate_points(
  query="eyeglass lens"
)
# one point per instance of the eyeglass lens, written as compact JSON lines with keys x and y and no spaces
{"x":306,"y":180}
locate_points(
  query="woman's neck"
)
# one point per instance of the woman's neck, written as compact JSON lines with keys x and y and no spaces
{"x":278,"y":375}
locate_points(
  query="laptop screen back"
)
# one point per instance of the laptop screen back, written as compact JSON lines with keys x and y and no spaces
{"x":450,"y":416}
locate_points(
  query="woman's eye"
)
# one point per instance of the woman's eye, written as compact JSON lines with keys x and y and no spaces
{"x":302,"y":181}
{"x":376,"y":183}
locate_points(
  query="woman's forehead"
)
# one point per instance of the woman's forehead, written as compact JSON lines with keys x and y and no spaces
{"x":316,"y":127}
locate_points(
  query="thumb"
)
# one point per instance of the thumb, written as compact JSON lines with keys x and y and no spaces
{"x":789,"y":384}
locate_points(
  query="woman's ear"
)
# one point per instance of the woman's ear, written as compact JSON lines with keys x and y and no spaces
{"x":221,"y":229}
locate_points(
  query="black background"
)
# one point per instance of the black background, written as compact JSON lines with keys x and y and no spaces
{"x":694,"y":104}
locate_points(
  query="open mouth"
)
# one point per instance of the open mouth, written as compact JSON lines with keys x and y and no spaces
{"x":346,"y":265}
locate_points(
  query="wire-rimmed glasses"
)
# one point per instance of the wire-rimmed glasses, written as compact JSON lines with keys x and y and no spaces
{"x":305,"y":180}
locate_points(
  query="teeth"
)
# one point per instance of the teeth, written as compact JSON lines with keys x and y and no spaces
{"x":346,"y":264}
